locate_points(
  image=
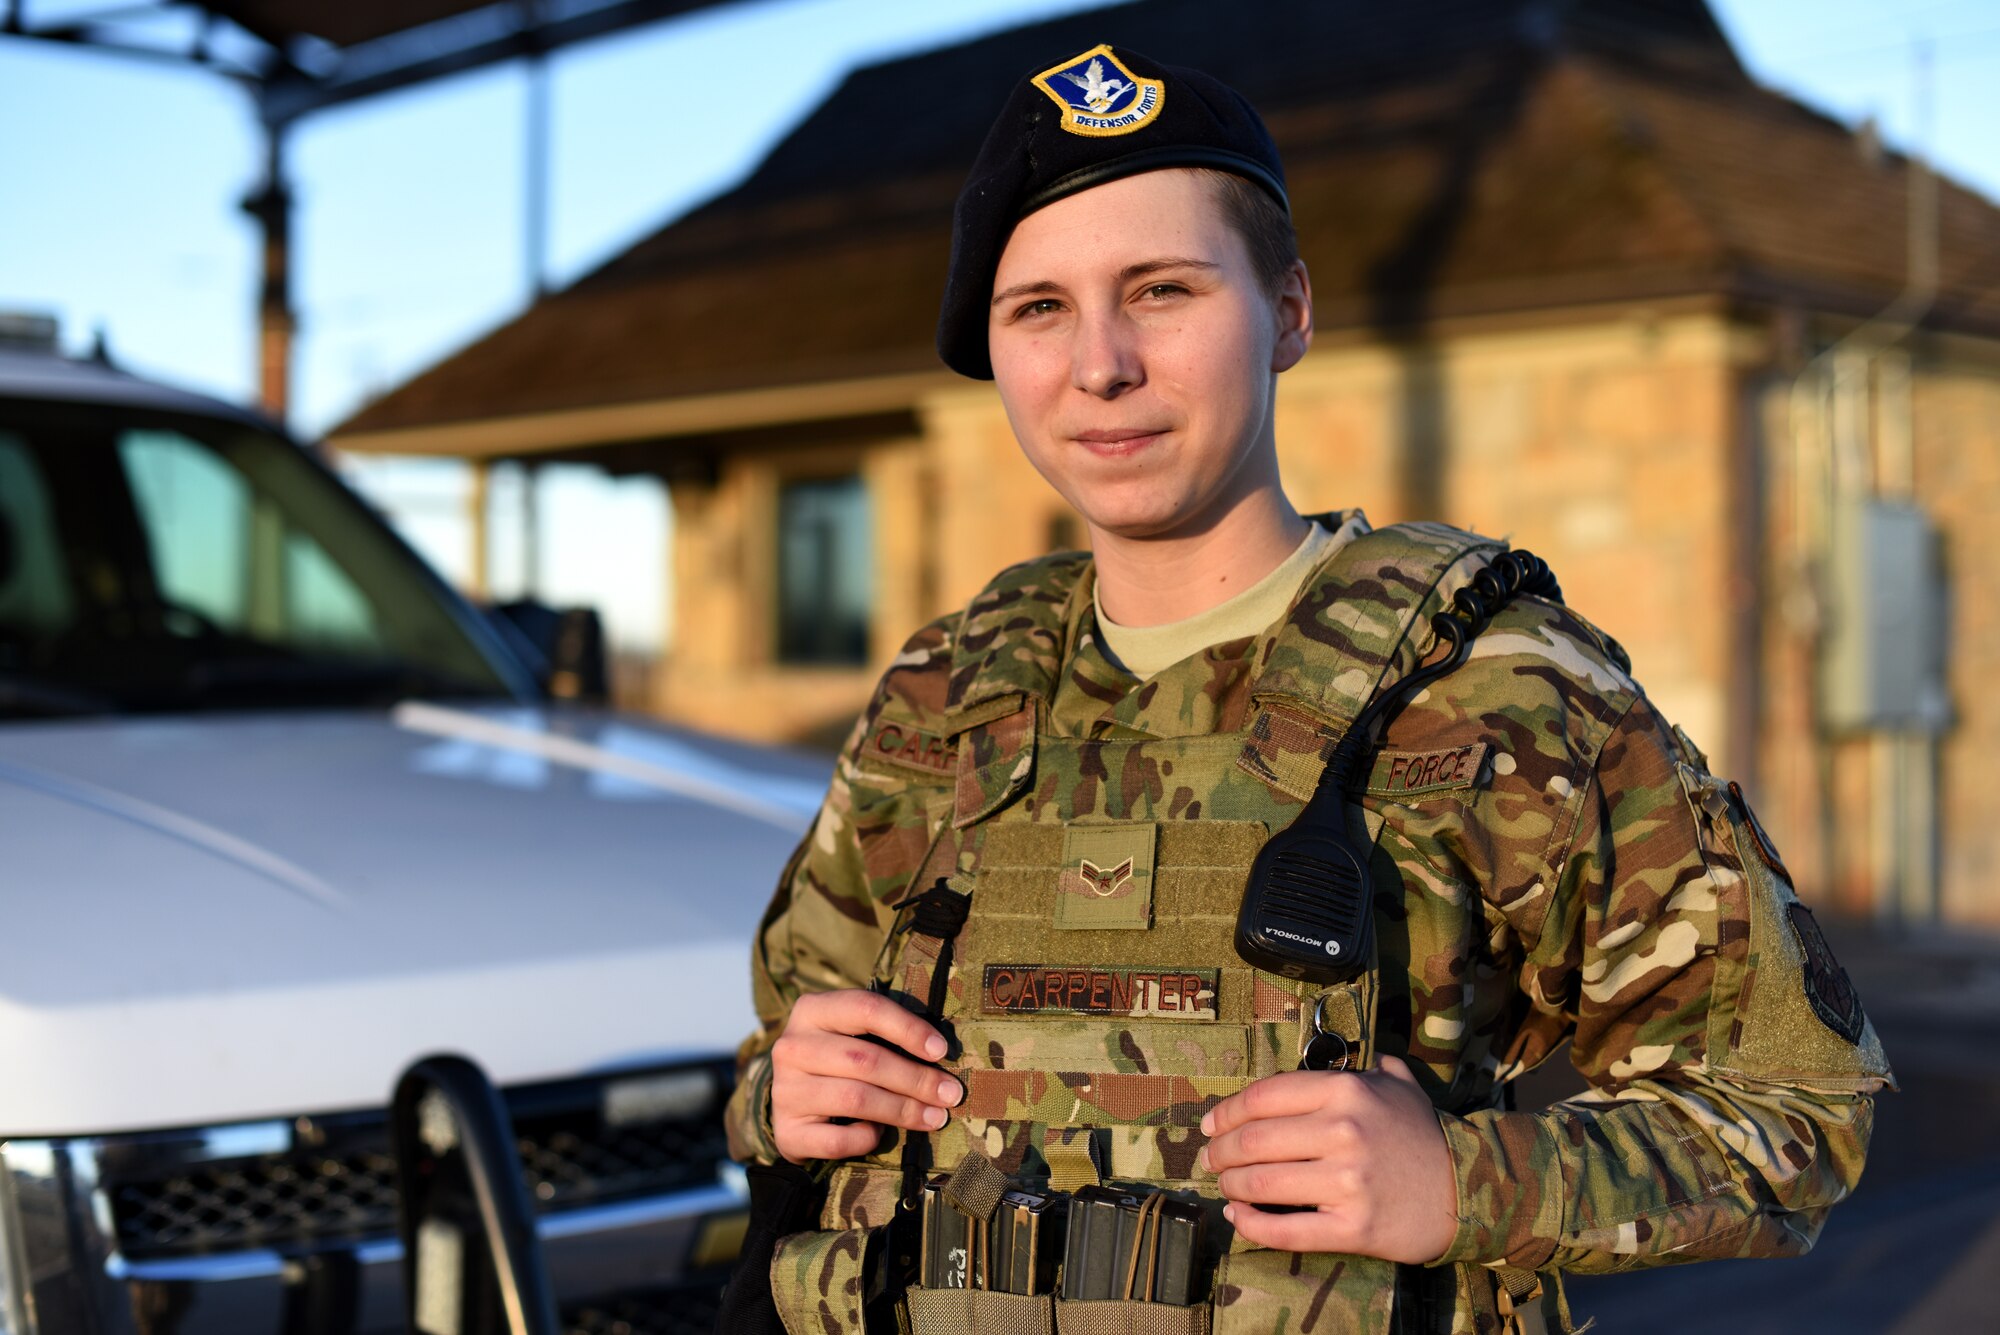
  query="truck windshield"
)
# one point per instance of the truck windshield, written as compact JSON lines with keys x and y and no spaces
{"x":168,"y":563}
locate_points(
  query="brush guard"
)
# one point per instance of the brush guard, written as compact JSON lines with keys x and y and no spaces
{"x":472,"y":1260}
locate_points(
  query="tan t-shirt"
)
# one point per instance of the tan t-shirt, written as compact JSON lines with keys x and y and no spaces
{"x":1145,"y":650}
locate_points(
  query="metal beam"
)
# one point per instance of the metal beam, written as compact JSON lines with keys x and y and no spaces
{"x":365,"y":71}
{"x":100,"y":30}
{"x":145,"y":9}
{"x":535,"y":173}
{"x":285,"y":91}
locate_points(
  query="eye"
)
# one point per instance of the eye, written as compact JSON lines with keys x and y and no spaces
{"x":1037,"y":307}
{"x":1163,"y":291}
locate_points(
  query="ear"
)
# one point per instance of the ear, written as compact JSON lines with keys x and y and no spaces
{"x":1294,"y":311}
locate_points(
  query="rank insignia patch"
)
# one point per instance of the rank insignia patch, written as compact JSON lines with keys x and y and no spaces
{"x":1106,"y":879}
{"x":1042,"y":989}
{"x":1099,"y":96}
{"x":1828,"y":989}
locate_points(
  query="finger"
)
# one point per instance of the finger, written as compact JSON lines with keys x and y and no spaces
{"x":1284,"y":1095}
{"x":1277,"y":1184}
{"x":852,"y":1011}
{"x":811,"y":1096}
{"x":823,"y":1140}
{"x":1397,"y":1069}
{"x":1275,"y":1140}
{"x":1316,"y":1231}
{"x":845,"y":1057}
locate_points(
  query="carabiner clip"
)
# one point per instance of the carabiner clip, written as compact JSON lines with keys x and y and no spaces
{"x":1327,"y":1049}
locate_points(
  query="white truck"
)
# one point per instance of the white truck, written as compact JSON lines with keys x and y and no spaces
{"x":279,"y":814}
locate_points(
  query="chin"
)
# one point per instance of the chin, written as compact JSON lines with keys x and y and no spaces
{"x":1135,"y":516}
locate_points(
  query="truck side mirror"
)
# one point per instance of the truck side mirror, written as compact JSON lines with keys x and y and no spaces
{"x":569,"y":657}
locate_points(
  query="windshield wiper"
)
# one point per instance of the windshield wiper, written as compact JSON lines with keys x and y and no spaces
{"x":25,"y":697}
{"x":339,"y":681}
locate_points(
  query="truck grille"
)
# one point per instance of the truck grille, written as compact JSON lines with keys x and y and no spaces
{"x":684,"y":1311}
{"x":290,"y":1199}
{"x":337,"y":1184}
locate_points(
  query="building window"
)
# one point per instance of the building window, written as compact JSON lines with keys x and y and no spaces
{"x":824,"y":560}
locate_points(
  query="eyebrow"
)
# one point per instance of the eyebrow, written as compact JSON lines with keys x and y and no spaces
{"x":1143,"y":269}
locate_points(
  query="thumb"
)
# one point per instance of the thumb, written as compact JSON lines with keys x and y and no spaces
{"x":1396,"y":1069}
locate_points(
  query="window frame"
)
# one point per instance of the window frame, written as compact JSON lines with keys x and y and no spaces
{"x":852,"y":471}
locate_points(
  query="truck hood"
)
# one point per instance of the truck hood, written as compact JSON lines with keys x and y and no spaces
{"x":219,"y":918}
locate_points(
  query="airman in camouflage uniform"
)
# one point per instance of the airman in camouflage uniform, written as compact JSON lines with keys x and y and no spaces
{"x":1551,"y":859}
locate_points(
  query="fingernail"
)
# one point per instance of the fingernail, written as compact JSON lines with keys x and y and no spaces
{"x":950,"y":1091}
{"x":934,"y":1046}
{"x":1208,"y":1123}
{"x":1202,"y":1159}
{"x":933,"y":1118}
{"x":1229,"y":1213}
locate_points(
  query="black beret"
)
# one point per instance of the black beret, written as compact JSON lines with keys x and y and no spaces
{"x":1082,"y":122}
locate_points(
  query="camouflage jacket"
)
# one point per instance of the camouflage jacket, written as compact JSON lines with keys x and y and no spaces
{"x":1569,"y":870}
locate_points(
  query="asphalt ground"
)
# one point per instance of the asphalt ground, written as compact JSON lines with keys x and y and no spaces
{"x":1917,"y":1247}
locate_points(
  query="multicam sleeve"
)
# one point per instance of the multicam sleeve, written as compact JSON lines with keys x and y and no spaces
{"x":1730,"y":1063}
{"x":775,"y":976}
{"x":831,"y":912}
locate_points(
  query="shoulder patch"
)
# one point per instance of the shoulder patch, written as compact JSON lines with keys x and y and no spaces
{"x":1828,"y":989}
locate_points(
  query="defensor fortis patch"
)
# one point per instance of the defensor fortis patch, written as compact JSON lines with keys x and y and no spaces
{"x":1099,"y":96}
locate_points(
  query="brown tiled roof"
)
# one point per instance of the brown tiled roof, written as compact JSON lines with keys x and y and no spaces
{"x":1446,"y":158}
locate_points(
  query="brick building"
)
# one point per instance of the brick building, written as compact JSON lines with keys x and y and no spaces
{"x":1578,"y":279}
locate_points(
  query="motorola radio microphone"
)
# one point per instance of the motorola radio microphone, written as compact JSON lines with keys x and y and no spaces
{"x":1308,"y":907}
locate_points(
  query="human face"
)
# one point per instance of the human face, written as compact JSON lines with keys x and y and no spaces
{"x":1137,"y":353}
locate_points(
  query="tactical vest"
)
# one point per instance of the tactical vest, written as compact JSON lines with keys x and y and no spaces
{"x":1095,"y":1000}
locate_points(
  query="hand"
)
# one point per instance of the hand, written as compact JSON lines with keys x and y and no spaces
{"x":1364,"y":1147}
{"x":822,"y":1070}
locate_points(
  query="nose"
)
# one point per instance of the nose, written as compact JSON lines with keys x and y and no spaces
{"x":1104,"y":358}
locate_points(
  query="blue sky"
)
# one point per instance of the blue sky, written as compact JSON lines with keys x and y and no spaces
{"x":119,"y":184}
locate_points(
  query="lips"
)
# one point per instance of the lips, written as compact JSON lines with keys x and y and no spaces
{"x":1116,"y":442}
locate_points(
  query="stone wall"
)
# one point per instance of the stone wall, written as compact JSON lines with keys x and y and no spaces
{"x":1957,"y":413}
{"x":1600,"y":447}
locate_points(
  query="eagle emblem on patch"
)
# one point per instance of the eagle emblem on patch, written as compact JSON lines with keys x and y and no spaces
{"x":1099,"y":96}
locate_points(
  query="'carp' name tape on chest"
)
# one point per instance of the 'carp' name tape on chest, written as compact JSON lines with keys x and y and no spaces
{"x":900,"y":744}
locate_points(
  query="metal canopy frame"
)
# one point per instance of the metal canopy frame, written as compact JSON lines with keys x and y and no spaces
{"x":277,"y":51}
{"x":297,"y":57}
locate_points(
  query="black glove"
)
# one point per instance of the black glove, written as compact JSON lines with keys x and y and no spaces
{"x":784,"y":1199}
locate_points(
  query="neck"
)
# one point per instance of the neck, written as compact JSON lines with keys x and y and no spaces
{"x":1153,"y":580}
